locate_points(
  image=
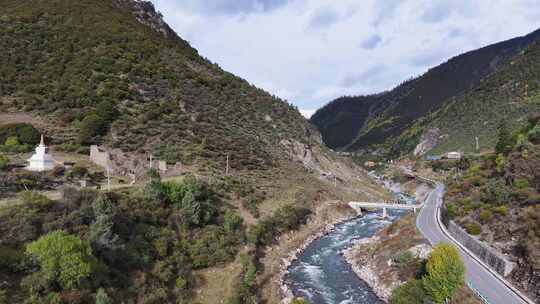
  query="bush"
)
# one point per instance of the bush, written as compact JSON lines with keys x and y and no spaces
{"x":102,"y":297}
{"x":25,"y":133}
{"x":445,"y":273}
{"x":90,"y":128}
{"x":501,"y":210}
{"x":473,"y":228}
{"x":64,"y":259}
{"x":35,"y":198}
{"x":412,"y":292}
{"x":404,"y":259}
{"x":299,"y":301}
{"x":4,"y":161}
{"x":521,"y":183}
{"x":486,"y":216}
{"x":12,"y":141}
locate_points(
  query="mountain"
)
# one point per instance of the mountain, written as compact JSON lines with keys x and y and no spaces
{"x":463,"y":97}
{"x":114,"y":73}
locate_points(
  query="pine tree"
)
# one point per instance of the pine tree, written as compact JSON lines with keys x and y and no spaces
{"x":504,"y":139}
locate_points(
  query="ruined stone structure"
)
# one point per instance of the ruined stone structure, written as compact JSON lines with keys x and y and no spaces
{"x":101,"y":157}
{"x":131,"y":165}
{"x":485,"y":253}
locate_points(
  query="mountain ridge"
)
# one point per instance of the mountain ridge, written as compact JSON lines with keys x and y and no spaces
{"x":368,"y":122}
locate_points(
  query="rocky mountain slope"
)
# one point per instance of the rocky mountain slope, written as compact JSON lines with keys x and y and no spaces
{"x":497,"y":199}
{"x":465,"y":97}
{"x":113,"y":72}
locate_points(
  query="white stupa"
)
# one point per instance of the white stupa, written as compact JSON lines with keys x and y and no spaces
{"x":41,"y":160}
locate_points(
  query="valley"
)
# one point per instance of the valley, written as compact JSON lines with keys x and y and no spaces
{"x":135,"y":170}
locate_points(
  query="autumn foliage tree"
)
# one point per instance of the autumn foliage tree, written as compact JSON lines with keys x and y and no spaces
{"x":445,"y":273}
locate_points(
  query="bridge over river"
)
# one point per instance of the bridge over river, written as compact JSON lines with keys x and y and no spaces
{"x":384,"y":206}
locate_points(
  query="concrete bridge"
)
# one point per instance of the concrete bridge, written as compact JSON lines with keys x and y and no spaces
{"x":367,"y":205}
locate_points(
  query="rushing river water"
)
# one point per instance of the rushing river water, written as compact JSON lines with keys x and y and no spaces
{"x":321,"y":275}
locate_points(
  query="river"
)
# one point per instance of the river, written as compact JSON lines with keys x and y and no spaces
{"x":321,"y":275}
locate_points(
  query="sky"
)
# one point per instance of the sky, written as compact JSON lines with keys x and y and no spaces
{"x":310,"y":52}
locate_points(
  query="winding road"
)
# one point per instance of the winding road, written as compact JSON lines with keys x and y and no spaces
{"x":486,"y":282}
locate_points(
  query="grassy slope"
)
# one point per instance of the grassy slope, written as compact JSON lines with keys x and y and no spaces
{"x":512,"y":94}
{"x":61,"y":58}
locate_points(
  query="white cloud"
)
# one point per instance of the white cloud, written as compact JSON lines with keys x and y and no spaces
{"x":311,"y":51}
{"x":307,"y":113}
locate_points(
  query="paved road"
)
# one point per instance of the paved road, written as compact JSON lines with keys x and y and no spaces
{"x":487,"y":284}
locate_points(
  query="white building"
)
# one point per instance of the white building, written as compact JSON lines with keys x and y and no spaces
{"x":41,"y":160}
{"x":453,"y":155}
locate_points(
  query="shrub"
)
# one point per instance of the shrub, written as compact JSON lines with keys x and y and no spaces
{"x":25,"y":133}
{"x":78,"y":171}
{"x":473,"y":228}
{"x":102,"y":297}
{"x":412,"y":292}
{"x":12,"y":141}
{"x":486,"y":216}
{"x":521,"y":183}
{"x":501,"y":210}
{"x":403,"y":259}
{"x":299,"y":301}
{"x":4,"y":161}
{"x":445,"y":273}
{"x":35,"y":198}
{"x":90,"y":128}
{"x":9,"y":258}
{"x":64,"y":259}
{"x":154,"y":191}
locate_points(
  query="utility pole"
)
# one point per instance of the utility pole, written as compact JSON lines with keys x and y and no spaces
{"x":108,"y":179}
{"x":227,"y":168}
{"x":477,"y":144}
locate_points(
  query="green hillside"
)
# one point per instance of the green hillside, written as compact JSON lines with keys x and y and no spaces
{"x":465,"y":97}
{"x":113,"y":72}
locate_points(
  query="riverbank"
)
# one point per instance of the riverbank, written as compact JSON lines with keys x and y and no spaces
{"x":374,"y":260}
{"x":278,"y":258}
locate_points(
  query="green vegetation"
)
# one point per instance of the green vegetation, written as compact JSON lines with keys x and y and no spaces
{"x":504,"y":139}
{"x":299,"y":301}
{"x":411,"y":292}
{"x":497,"y":198}
{"x":444,"y":275}
{"x":64,"y":259}
{"x":465,"y":97}
{"x":284,"y":219}
{"x":4,"y":161}
{"x":95,"y":70}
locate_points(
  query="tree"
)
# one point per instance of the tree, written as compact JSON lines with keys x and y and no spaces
{"x":64,"y":259}
{"x":154,"y":191}
{"x":102,"y":237}
{"x":445,"y":273}
{"x":91,"y":127}
{"x":102,"y":297}
{"x":107,"y":111}
{"x":504,"y":139}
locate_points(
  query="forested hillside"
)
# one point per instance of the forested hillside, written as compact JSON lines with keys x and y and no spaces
{"x":111,"y":71}
{"x":395,"y":120}
{"x":497,"y":198}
